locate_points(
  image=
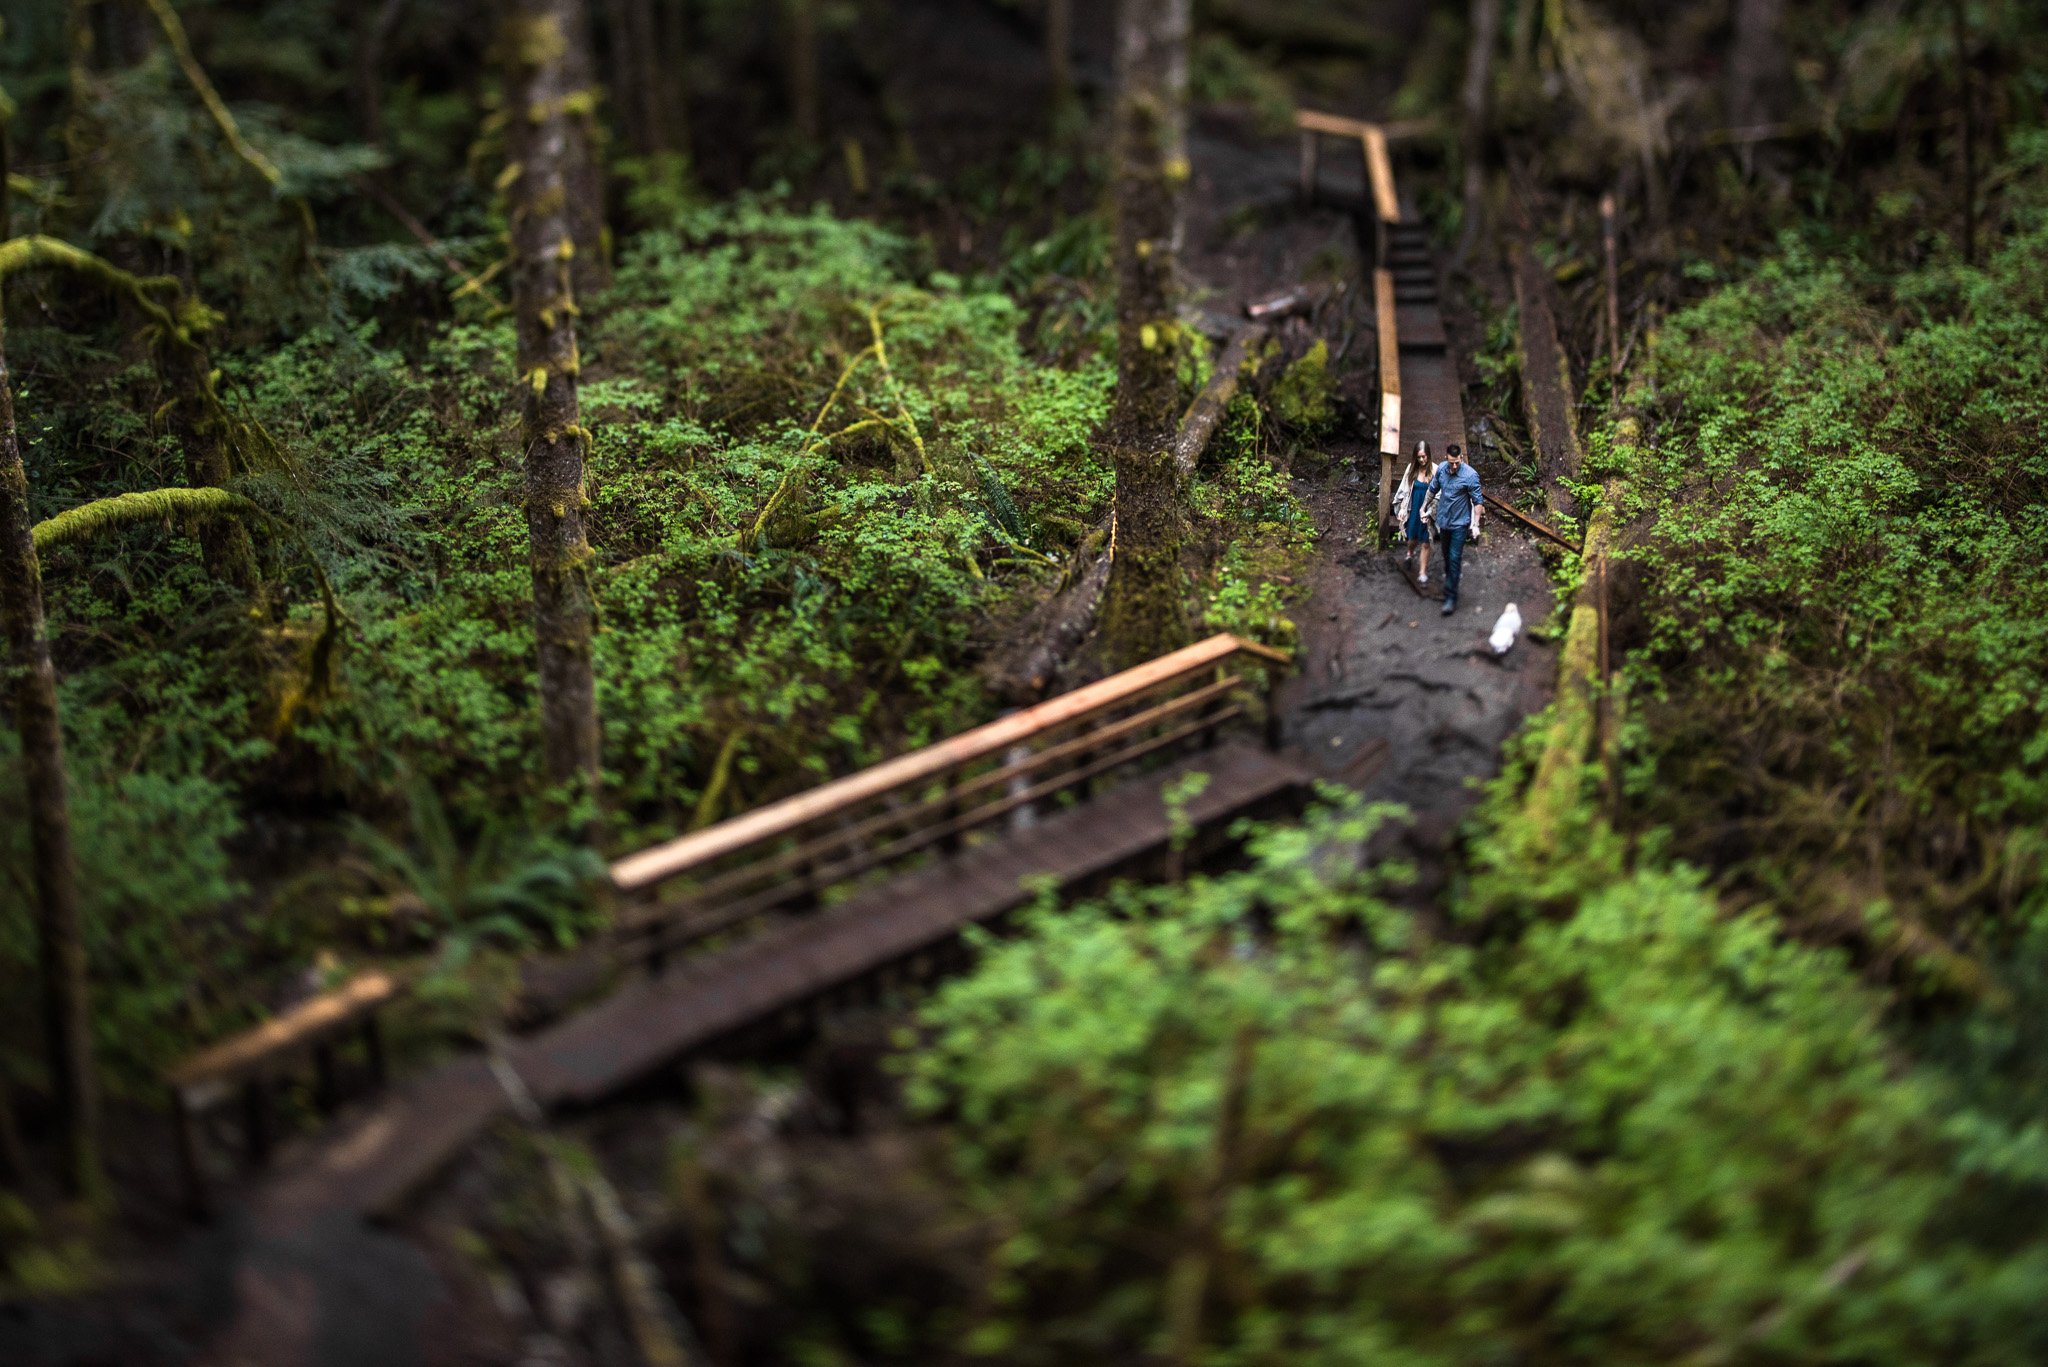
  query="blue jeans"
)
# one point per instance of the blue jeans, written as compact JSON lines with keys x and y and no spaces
{"x":1453,"y":539}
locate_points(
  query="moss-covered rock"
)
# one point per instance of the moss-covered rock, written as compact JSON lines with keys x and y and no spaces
{"x":1305,"y":395}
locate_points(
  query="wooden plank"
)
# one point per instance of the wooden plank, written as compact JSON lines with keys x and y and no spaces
{"x":301,"y":1027}
{"x":1390,"y":338}
{"x":1313,"y":121}
{"x":370,"y":1164}
{"x":1379,"y":173}
{"x":687,"y":852}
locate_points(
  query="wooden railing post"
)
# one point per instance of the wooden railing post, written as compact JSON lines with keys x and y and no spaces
{"x":950,"y":842}
{"x":326,"y":1083}
{"x":186,"y":1137}
{"x":256,"y":1120}
{"x":373,"y":1051}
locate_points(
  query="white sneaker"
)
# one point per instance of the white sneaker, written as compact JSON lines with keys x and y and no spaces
{"x":1422,"y":578}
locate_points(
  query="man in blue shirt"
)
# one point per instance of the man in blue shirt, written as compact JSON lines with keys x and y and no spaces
{"x":1459,"y":504}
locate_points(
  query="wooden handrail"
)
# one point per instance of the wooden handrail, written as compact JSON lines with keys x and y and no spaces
{"x":1379,"y":173}
{"x":649,"y":867}
{"x":253,"y":1058}
{"x":1313,"y":121}
{"x":265,"y":1045}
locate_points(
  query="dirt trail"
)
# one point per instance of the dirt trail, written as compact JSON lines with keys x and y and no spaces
{"x":1392,"y":698}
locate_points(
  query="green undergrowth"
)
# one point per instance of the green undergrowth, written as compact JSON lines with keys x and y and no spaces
{"x":1592,"y":1117}
{"x":1737,"y":1059}
{"x":802,"y":550}
{"x":1843,"y":624}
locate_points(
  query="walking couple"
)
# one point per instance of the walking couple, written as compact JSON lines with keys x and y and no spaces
{"x":1443,"y":501}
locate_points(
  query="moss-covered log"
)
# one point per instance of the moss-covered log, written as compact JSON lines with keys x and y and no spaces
{"x":1144,"y":609}
{"x":1547,"y":401}
{"x":206,"y":506}
{"x":546,"y":140}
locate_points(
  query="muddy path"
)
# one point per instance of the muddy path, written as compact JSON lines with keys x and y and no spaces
{"x":1391,"y":698}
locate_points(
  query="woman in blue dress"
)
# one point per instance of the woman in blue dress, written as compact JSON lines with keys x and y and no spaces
{"x":1413,"y":505}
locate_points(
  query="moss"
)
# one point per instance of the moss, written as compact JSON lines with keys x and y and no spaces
{"x":1305,"y":396}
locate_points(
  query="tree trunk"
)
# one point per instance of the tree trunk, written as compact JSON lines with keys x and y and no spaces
{"x":674,"y":16}
{"x":636,"y":75}
{"x":366,"y":92}
{"x":546,"y":145}
{"x":1059,"y":50}
{"x":1144,"y":609}
{"x":31,"y":682}
{"x":195,"y":419}
{"x":1966,"y":114}
{"x":572,"y":102}
{"x":1472,"y":126}
{"x":803,"y":68}
{"x":627,"y":104}
{"x":1758,"y":53}
{"x":1757,"y":64}
{"x":647,"y":55}
{"x":1523,"y":46}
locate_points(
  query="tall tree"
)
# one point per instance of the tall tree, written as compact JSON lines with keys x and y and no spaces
{"x":184,"y":359}
{"x":1059,"y":50}
{"x":1144,"y":610}
{"x":1758,"y":65}
{"x":547,"y":138}
{"x":374,"y":23}
{"x":803,"y":68}
{"x":636,"y":86}
{"x":31,"y":681}
{"x":1472,"y":113}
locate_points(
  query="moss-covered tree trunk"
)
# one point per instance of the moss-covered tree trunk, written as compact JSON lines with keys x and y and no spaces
{"x":31,"y":685}
{"x":581,"y":160}
{"x":1144,"y":609}
{"x":547,"y":142}
{"x":196,"y":420}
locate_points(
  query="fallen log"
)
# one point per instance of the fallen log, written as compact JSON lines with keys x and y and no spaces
{"x":1495,"y":501}
{"x":1048,"y":638}
{"x":1198,"y":425}
{"x":1547,"y":401}
{"x":1024,"y":668}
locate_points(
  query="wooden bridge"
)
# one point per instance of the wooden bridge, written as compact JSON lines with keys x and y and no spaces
{"x":732,"y":928}
{"x":749,"y":924}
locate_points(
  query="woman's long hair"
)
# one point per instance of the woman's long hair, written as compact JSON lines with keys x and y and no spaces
{"x":1424,"y":465}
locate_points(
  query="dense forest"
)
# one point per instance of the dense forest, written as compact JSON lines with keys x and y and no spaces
{"x":446,"y":446}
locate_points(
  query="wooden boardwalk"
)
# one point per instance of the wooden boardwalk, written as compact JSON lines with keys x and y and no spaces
{"x":1432,"y":400}
{"x":371,"y":1164}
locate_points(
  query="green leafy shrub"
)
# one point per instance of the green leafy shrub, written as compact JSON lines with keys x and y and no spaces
{"x":1843,"y":621}
{"x":1270,"y":1117}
